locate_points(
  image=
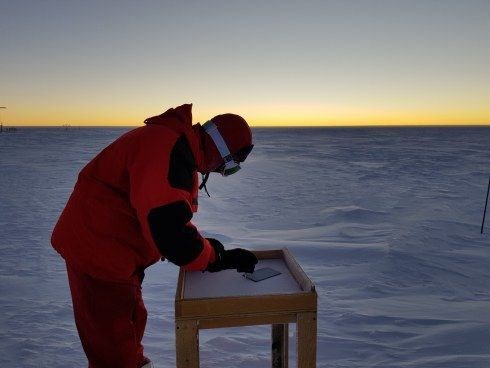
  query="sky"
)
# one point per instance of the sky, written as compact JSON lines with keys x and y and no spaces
{"x":347,"y":62}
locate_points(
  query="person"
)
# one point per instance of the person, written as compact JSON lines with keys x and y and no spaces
{"x":132,"y":206}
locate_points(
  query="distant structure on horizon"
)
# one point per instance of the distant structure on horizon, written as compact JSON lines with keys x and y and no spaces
{"x":1,"y":122}
{"x":7,"y":129}
{"x":67,"y":126}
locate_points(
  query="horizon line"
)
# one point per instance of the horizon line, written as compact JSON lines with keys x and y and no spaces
{"x":442,"y":125}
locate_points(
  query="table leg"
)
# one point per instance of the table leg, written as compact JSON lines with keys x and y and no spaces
{"x":187,"y":344}
{"x":306,"y":326}
{"x":280,"y":338}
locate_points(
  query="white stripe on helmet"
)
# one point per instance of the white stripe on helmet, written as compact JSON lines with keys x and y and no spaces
{"x":212,"y":130}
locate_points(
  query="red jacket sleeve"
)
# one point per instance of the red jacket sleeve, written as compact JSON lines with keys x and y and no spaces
{"x":164,"y":212}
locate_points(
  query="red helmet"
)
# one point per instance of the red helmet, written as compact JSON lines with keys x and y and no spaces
{"x":228,"y":142}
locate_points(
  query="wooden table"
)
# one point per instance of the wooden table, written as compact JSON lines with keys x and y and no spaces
{"x":227,"y":299}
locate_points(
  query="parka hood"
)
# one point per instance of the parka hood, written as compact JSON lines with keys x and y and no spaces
{"x":180,"y":116}
{"x":179,"y":119}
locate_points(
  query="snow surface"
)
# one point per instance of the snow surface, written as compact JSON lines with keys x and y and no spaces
{"x":386,"y":223}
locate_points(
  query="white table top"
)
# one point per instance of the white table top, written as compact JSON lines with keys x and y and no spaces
{"x":231,"y":283}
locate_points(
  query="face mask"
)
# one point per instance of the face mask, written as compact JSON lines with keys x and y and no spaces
{"x":230,"y":166}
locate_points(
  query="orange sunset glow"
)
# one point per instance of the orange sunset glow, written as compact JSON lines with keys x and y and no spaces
{"x":319,"y":63}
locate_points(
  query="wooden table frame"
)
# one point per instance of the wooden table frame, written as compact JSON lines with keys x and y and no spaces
{"x":278,"y":310}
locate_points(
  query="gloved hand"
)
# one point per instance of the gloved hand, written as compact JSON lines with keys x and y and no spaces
{"x":240,"y":259}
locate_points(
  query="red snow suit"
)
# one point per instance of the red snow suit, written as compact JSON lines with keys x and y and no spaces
{"x":132,"y":204}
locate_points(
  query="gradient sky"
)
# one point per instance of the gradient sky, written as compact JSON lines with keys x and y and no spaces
{"x":345,"y":62}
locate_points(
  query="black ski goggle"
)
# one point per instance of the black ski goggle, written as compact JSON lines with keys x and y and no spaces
{"x":238,"y":157}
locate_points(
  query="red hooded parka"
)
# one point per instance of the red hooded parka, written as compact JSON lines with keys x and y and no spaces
{"x":132,"y":204}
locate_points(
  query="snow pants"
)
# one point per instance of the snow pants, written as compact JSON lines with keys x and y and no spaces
{"x":110,"y":319}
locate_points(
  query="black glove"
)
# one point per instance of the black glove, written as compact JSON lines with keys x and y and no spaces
{"x":240,"y":259}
